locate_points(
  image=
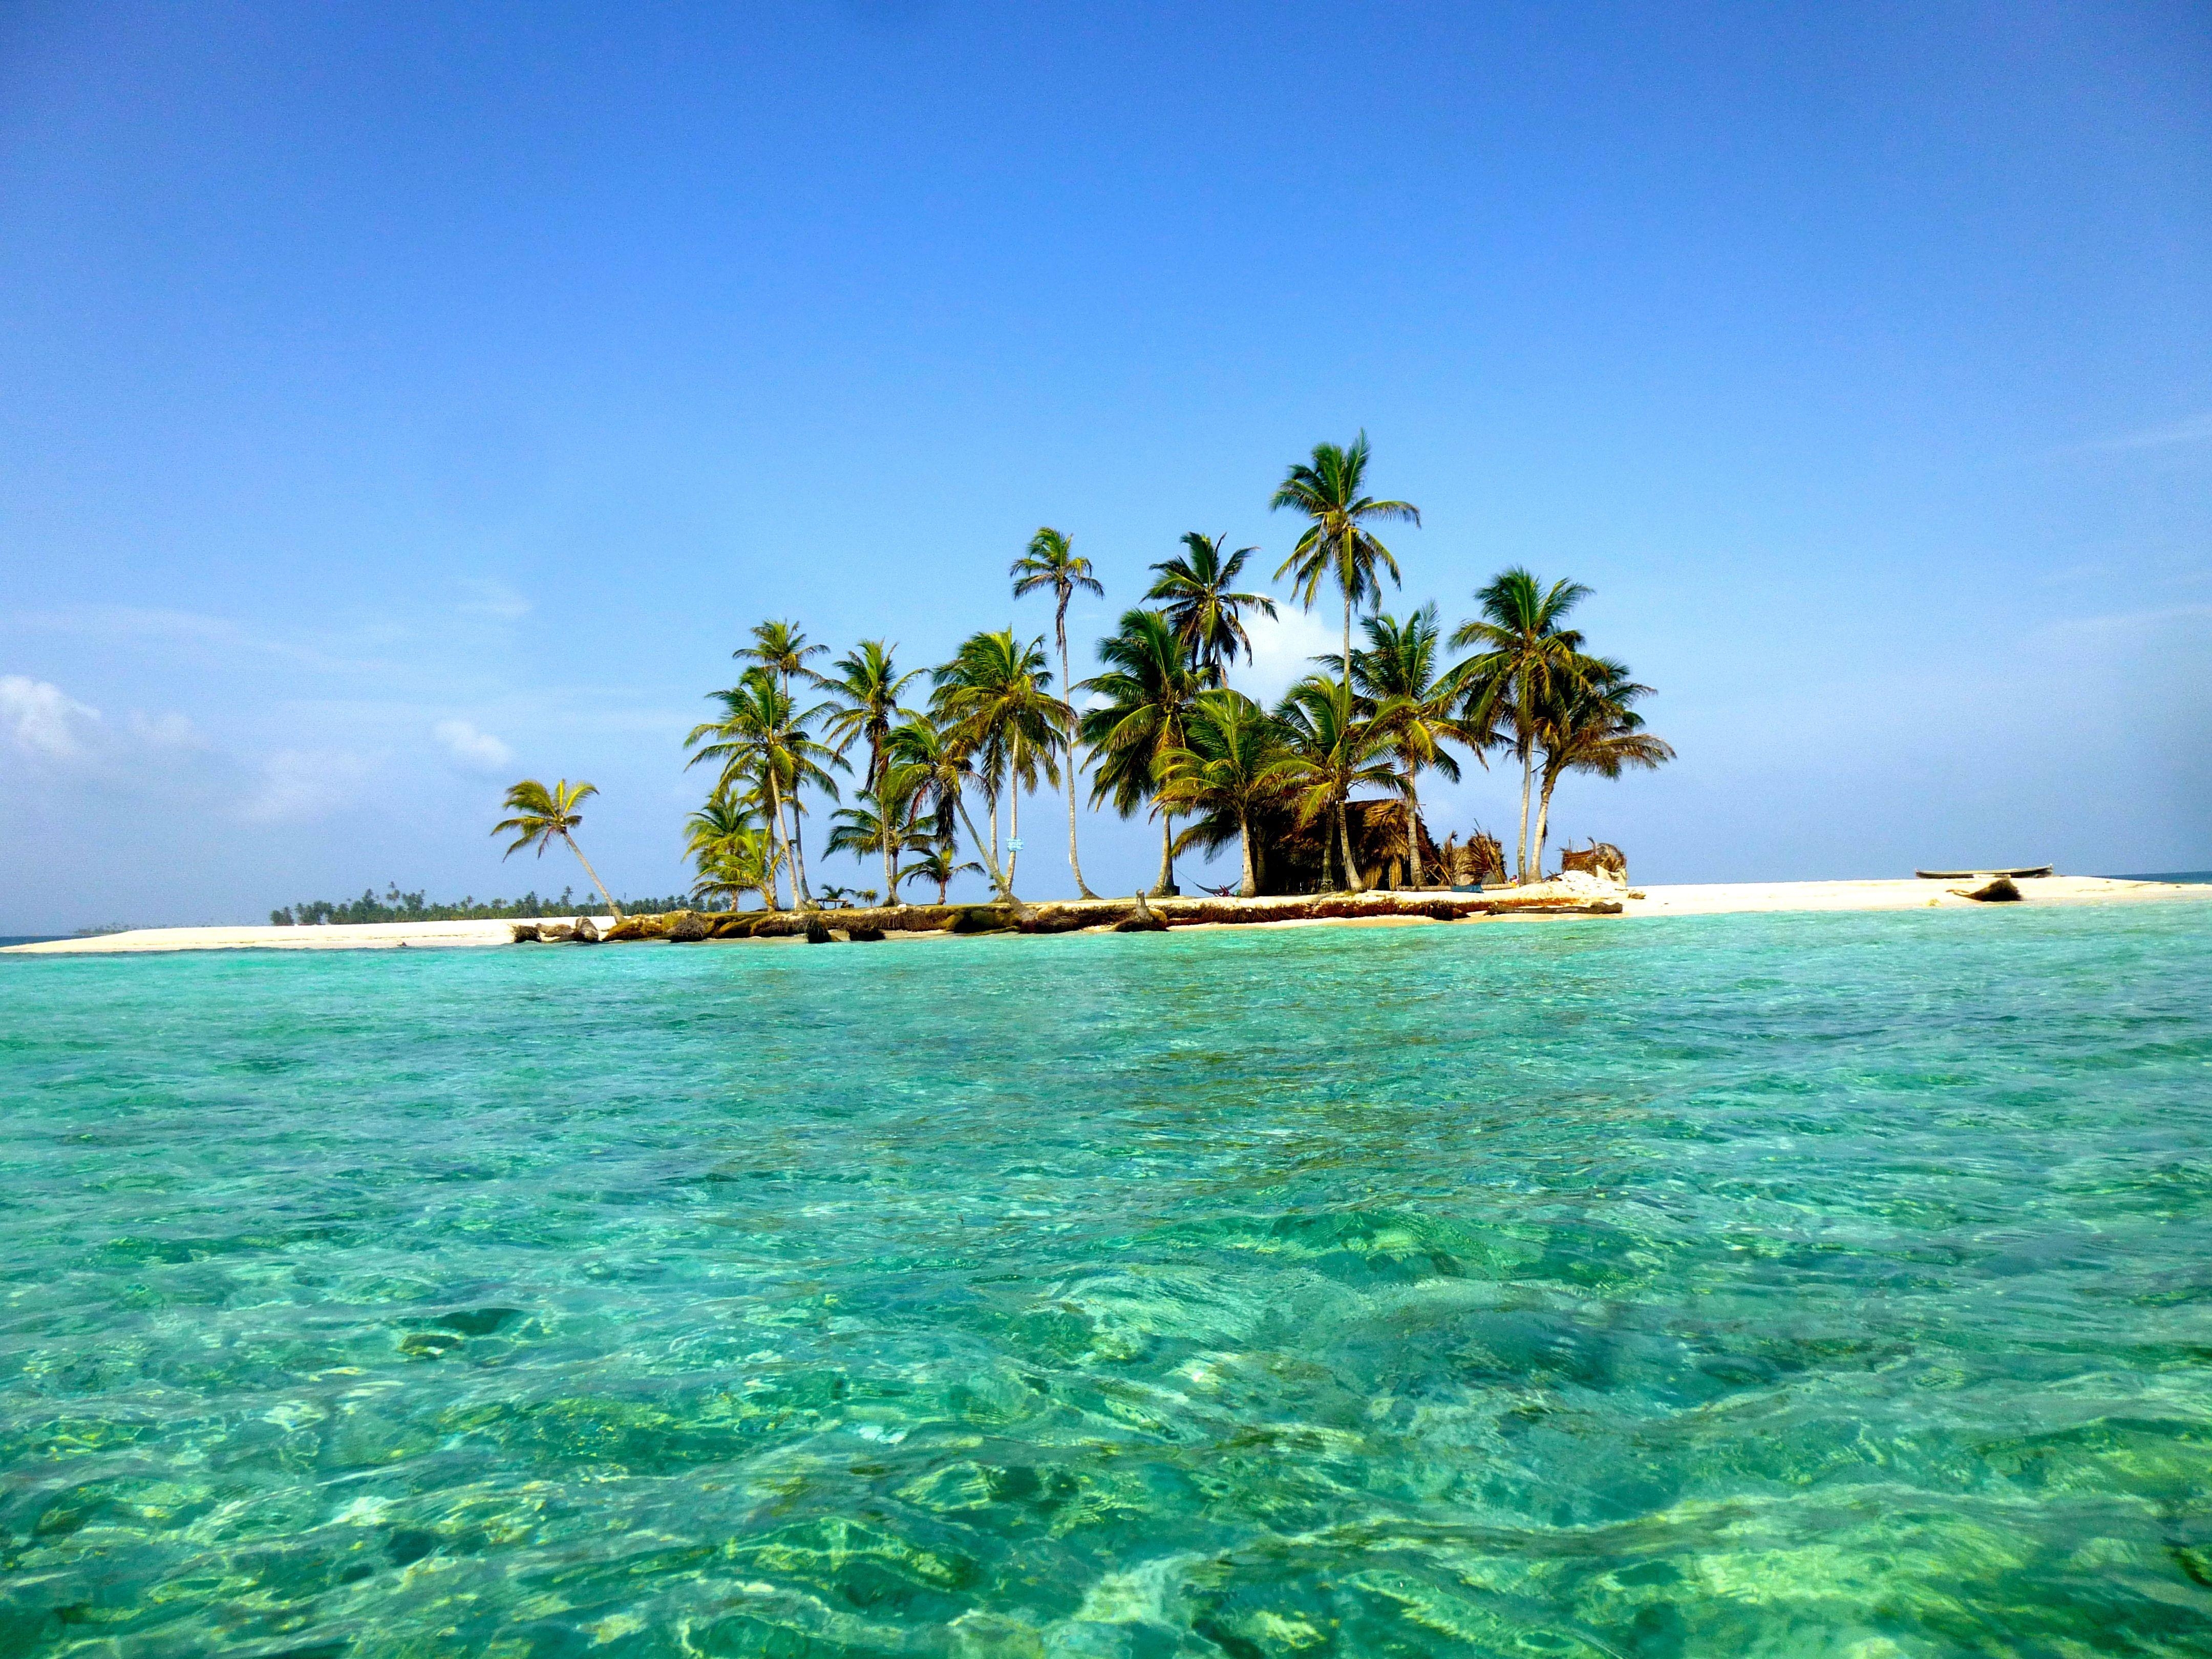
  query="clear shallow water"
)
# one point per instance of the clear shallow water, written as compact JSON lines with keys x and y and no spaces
{"x":1811,"y":1285}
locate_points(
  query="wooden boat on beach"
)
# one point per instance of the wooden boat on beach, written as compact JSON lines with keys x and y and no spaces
{"x":1968,"y":875}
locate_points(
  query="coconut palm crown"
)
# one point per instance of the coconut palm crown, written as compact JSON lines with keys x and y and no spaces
{"x":1141,"y":702}
{"x":1339,"y":544}
{"x":1196,"y":592}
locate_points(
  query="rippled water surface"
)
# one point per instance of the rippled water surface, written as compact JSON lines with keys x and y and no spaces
{"x":1736,"y":1285}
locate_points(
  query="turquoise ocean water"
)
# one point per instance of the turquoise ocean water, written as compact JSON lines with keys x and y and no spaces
{"x":1735,"y":1286}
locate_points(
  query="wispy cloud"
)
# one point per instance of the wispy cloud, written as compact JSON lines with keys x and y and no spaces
{"x":476,"y":750}
{"x":2197,"y":430}
{"x":42,"y":721}
{"x":492,"y":598}
{"x":1283,"y":650}
{"x":301,"y":786}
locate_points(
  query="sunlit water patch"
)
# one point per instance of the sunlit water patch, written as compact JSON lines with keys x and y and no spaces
{"x":1795,"y":1286}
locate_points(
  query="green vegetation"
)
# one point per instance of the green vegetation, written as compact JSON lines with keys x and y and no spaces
{"x":1322,"y":793}
{"x":396,"y":906}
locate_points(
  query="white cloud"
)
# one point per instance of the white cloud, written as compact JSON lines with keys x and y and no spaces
{"x":299,"y":787}
{"x":493,"y":598}
{"x":1283,"y":650}
{"x":45,"y":720}
{"x":477,"y":751}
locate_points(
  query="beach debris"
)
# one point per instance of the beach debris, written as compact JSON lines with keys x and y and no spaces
{"x":1145,"y":920}
{"x":556,"y":932}
{"x":1600,"y":859}
{"x":687,"y":928}
{"x":527,"y":932}
{"x":1998,"y":891}
{"x":586,"y":932}
{"x":816,"y":933}
{"x":864,"y":935}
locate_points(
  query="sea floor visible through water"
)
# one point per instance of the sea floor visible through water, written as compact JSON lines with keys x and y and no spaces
{"x":1799,"y":1284}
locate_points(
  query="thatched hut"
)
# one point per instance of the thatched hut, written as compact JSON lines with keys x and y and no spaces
{"x":1295,"y":859}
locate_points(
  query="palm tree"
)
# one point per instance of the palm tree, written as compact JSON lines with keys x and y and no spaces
{"x":1331,"y":753}
{"x":783,"y":651}
{"x":884,"y":823}
{"x":1592,"y":726}
{"x":864,"y":703}
{"x":1147,"y":688}
{"x":1200,"y":605}
{"x":759,"y":739}
{"x":937,"y":866}
{"x":944,"y":769}
{"x":734,"y":854}
{"x":1232,"y":767}
{"x":1337,"y":542}
{"x":543,"y":816}
{"x":1528,"y":660}
{"x":1412,"y":707}
{"x":1051,"y":562}
{"x":995,"y":697}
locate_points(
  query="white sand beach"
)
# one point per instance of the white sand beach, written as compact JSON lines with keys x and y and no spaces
{"x":1707,"y":898}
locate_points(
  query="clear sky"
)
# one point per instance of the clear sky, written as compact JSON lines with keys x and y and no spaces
{"x":396,"y":401}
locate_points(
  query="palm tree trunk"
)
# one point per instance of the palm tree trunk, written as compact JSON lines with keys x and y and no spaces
{"x":943,"y":887}
{"x":1344,"y":836}
{"x":614,"y":908}
{"x":1348,"y":654}
{"x":1060,"y":624}
{"x":1414,"y":826}
{"x":882,"y":775}
{"x":775,"y":812}
{"x":1013,"y":808}
{"x":804,"y":898}
{"x":1527,"y":764}
{"x":991,"y":853}
{"x":1167,"y":856}
{"x":1250,"y":886}
{"x":1544,"y":815}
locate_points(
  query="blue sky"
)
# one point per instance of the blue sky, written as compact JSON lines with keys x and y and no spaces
{"x":392,"y":403}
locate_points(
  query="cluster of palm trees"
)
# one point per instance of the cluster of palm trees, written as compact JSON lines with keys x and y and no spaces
{"x":1161,"y":731}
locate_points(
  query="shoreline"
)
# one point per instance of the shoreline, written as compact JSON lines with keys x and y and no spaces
{"x":1683,"y":899}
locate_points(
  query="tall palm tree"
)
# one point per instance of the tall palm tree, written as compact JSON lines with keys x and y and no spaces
{"x":942,"y":770}
{"x":995,"y":696}
{"x":1337,"y":543}
{"x":759,"y":739}
{"x":1147,"y":688}
{"x":1230,"y":767}
{"x":864,"y":688}
{"x":1332,"y":752}
{"x":734,"y":854}
{"x":543,"y":816}
{"x":1051,"y":563}
{"x":936,"y":865}
{"x":1529,"y":659}
{"x":1413,"y":709}
{"x":781,"y":649}
{"x":1196,"y":592}
{"x":1592,"y":726}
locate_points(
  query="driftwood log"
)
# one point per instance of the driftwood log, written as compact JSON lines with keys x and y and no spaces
{"x":1122,"y":915}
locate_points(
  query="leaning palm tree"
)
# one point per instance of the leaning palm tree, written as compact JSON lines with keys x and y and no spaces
{"x":1231,"y":767}
{"x":936,"y":865}
{"x":864,"y":687}
{"x":1413,"y":708}
{"x":543,"y":816}
{"x":784,"y":651}
{"x":1338,"y":544}
{"x":760,"y":740}
{"x":942,"y":770}
{"x":1051,"y":563}
{"x":1528,"y":660}
{"x":1331,"y":753}
{"x":1197,"y":593}
{"x":995,"y":699}
{"x":1143,"y":699}
{"x":1593,"y":727}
